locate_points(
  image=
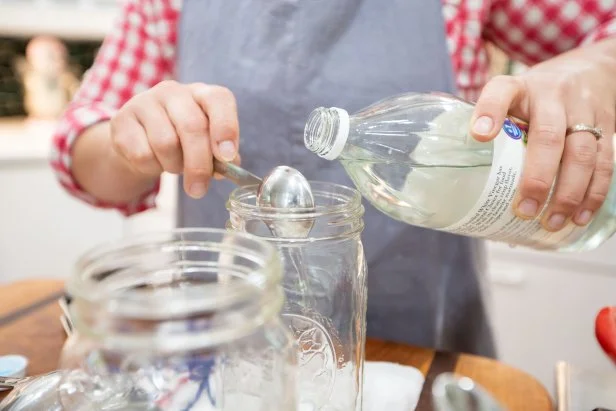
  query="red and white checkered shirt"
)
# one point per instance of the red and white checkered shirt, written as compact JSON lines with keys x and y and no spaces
{"x":140,"y":53}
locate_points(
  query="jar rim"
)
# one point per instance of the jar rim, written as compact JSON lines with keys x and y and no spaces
{"x":83,"y":285}
{"x":352,"y":203}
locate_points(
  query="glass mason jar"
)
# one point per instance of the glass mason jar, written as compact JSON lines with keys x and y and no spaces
{"x":183,"y":320}
{"x":324,"y":278}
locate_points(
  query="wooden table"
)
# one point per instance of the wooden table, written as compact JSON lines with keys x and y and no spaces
{"x":30,"y":326}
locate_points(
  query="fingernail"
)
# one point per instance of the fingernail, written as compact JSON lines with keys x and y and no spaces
{"x":227,"y":150}
{"x":583,"y":217}
{"x":197,"y":190}
{"x":483,"y":125}
{"x":556,"y":221}
{"x":528,"y":208}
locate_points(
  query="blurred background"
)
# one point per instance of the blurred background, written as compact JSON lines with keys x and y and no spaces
{"x":543,"y":305}
{"x":45,"y":48}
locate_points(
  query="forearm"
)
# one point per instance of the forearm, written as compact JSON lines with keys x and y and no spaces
{"x":102,"y":173}
{"x":81,"y":154}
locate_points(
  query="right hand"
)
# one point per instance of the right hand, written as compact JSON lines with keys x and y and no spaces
{"x":178,"y":128}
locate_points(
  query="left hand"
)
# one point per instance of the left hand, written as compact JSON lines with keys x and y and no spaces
{"x":577,"y":87}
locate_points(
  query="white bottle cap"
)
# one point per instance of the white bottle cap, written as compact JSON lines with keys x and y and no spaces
{"x":341,"y":136}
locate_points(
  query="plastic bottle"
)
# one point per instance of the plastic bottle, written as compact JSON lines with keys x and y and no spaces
{"x":413,"y":158}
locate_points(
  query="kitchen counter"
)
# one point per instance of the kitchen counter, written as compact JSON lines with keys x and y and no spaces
{"x":26,"y":304}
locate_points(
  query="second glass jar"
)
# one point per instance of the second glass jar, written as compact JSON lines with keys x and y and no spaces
{"x":324,"y":278}
{"x":179,"y":320}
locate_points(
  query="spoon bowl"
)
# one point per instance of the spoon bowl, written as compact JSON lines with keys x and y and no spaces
{"x":451,"y":392}
{"x":282,"y":188}
{"x":286,"y":188}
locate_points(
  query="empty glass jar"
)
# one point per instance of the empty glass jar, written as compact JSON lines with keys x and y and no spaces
{"x":186,"y":320}
{"x":325,"y":285}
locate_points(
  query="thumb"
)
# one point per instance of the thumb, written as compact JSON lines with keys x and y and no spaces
{"x":491,"y":109}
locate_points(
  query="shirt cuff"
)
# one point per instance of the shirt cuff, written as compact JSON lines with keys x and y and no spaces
{"x":74,"y":122}
{"x":604,"y":31}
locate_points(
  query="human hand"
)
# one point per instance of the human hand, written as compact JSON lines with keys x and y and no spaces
{"x":578,"y":87}
{"x":178,"y":128}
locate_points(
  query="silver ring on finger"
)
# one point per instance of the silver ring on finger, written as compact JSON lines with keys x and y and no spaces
{"x":595,"y":131}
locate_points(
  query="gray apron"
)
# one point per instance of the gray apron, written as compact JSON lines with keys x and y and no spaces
{"x":283,"y":58}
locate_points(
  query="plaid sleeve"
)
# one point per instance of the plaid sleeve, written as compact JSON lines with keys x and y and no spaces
{"x":535,"y":30}
{"x":606,"y":29}
{"x":136,"y":55}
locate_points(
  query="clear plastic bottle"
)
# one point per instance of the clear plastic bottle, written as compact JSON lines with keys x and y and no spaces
{"x":413,"y":158}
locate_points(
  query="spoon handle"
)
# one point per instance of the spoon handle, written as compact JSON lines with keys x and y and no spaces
{"x":236,"y":174}
{"x":9,"y":382}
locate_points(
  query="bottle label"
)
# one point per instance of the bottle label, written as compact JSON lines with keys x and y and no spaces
{"x":492,"y":216}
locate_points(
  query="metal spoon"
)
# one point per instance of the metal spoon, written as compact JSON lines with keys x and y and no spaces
{"x":286,"y":188}
{"x":283,"y":188}
{"x":453,"y":393}
{"x":11,"y":382}
{"x":236,"y":174}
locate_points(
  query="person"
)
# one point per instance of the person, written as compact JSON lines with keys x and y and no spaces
{"x":173,"y":85}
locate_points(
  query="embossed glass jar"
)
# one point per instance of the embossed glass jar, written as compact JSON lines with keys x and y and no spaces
{"x":324,"y":278}
{"x":188,"y":319}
